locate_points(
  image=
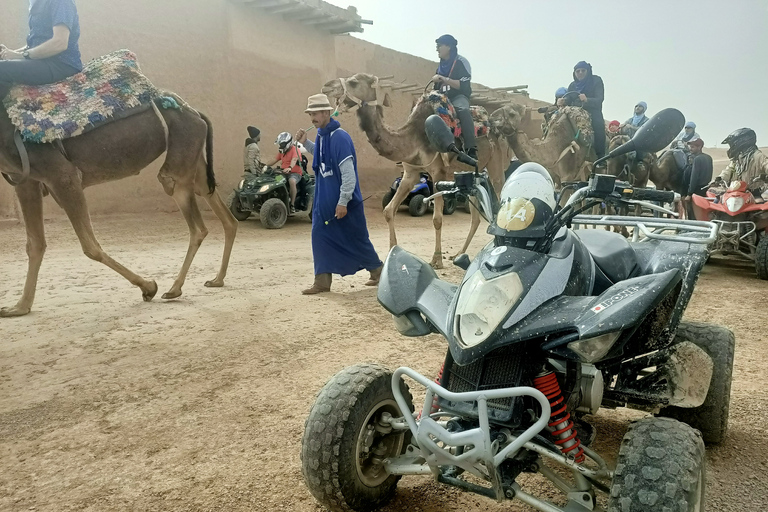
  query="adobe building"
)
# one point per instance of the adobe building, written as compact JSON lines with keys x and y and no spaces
{"x":242,"y":62}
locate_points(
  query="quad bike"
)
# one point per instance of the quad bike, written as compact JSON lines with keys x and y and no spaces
{"x":268,"y":194}
{"x":742,"y":214}
{"x":415,"y":200}
{"x":539,"y":335}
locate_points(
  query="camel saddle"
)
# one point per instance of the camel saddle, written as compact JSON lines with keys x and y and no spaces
{"x":109,"y":87}
{"x":444,"y":108}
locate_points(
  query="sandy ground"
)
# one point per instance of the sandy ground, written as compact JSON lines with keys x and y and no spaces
{"x":109,"y":403}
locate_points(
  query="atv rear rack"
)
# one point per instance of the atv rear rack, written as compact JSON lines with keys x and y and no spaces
{"x":651,"y":228}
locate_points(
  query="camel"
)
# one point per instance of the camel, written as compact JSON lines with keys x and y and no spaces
{"x":563,"y":151}
{"x":409,"y":144}
{"x":666,"y":175}
{"x":115,"y":151}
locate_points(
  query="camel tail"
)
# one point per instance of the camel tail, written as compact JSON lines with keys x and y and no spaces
{"x":209,"y":155}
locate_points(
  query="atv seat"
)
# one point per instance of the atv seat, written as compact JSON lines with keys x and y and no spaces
{"x":612,"y":254}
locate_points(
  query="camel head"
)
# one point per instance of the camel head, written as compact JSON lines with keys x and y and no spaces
{"x":355,"y":90}
{"x":506,"y":120}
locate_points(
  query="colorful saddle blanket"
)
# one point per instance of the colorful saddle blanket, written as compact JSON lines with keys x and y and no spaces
{"x":107,"y":86}
{"x":443,"y":107}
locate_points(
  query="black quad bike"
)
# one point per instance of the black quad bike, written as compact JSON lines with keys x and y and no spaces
{"x":268,"y":194}
{"x":539,"y":337}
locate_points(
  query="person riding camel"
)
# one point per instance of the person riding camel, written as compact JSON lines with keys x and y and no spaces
{"x":551,"y":110}
{"x":290,"y":163}
{"x":452,"y":78}
{"x":684,"y":137}
{"x":747,"y":162}
{"x":634,"y":123}
{"x":591,"y":93}
{"x":51,"y":53}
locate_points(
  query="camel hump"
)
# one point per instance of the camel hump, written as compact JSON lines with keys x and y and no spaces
{"x":107,"y":88}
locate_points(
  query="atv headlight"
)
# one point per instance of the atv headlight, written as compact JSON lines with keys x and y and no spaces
{"x":591,"y":350}
{"x":263,"y":189}
{"x":734,"y":204}
{"x":241,"y":185}
{"x":483,"y":305}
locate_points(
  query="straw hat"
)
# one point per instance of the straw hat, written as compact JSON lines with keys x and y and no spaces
{"x":317,"y":103}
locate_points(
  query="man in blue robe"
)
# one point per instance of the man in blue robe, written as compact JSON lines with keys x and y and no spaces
{"x":340,"y":242}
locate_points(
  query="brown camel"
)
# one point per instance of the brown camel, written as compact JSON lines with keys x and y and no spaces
{"x":627,"y":167}
{"x":666,"y":175}
{"x":563,"y":151}
{"x":114,"y":151}
{"x":409,"y":144}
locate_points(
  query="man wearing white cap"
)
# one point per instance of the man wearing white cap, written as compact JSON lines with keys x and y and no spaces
{"x":340,"y":242}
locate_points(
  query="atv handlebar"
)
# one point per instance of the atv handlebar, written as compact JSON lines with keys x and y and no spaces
{"x":663,"y":196}
{"x":445,"y":186}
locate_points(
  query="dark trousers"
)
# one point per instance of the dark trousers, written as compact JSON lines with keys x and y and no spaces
{"x":32,"y":72}
{"x":598,"y":126}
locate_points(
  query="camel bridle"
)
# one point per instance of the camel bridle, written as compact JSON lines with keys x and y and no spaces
{"x":342,"y":107}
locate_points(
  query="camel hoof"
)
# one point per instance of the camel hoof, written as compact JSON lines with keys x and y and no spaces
{"x":214,"y":283}
{"x":437,"y":264}
{"x":171,"y":294}
{"x":14,"y":311}
{"x":149,"y":294}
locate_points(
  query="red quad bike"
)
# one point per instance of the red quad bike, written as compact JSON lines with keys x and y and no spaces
{"x":743,"y":217}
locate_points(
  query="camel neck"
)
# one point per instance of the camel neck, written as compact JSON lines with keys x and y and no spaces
{"x":401,"y":144}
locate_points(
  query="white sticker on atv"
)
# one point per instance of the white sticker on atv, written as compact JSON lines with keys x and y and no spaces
{"x":616,"y":298}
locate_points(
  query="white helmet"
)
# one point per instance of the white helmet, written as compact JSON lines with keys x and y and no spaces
{"x":284,"y":141}
{"x":527,"y":204}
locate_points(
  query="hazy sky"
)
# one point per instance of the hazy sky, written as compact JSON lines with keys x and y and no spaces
{"x":707,"y":58}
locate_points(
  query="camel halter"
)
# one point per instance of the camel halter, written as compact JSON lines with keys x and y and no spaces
{"x":342,"y":107}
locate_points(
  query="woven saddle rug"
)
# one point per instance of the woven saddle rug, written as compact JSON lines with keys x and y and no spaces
{"x":445,"y":109}
{"x":107,"y":89}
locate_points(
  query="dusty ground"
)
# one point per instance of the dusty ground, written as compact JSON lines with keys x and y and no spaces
{"x":109,"y":403}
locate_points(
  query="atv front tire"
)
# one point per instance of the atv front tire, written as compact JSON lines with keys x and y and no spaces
{"x":449,"y":205}
{"x":661,"y":466}
{"x":386,"y":199}
{"x":341,"y":448}
{"x":273,"y":213}
{"x":235,"y":208}
{"x":761,"y":257}
{"x":711,"y":417}
{"x":417,"y":206}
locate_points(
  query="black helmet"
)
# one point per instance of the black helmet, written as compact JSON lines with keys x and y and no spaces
{"x":740,"y":141}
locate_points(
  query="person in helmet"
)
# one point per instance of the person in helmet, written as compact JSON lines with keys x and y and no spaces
{"x":550,"y":111}
{"x":290,"y":163}
{"x":747,"y":162}
{"x":527,"y":203}
{"x":634,"y":123}
{"x":452,"y":78}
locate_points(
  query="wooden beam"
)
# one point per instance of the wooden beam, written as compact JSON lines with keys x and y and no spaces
{"x":513,"y":88}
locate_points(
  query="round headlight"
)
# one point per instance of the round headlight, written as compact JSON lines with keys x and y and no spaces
{"x":264,"y":188}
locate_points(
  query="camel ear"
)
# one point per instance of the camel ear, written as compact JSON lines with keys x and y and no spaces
{"x":386,"y":101}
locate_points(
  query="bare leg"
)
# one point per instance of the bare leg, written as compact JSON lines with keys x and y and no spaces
{"x":475,"y":216}
{"x":31,"y":200}
{"x":292,"y":185}
{"x":230,"y":230}
{"x":410,"y":177}
{"x":437,"y":221}
{"x":68,"y":193}
{"x":185,"y":198}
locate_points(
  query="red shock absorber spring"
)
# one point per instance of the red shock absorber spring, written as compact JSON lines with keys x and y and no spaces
{"x":565,"y":434}
{"x":435,"y":407}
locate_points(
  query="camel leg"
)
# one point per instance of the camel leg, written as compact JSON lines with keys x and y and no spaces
{"x":185,"y":198}
{"x":68,"y":193}
{"x":437,"y":221}
{"x":230,"y":230}
{"x":410,"y":177}
{"x":475,"y":222}
{"x":31,"y":199}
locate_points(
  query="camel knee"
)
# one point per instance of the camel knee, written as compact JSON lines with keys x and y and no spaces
{"x":36,"y":248}
{"x":94,"y":253}
{"x":199,"y":235}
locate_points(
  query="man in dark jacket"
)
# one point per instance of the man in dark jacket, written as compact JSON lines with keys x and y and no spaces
{"x":591,"y":92}
{"x":452,"y":78}
{"x":51,"y":53}
{"x":700,"y":174}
